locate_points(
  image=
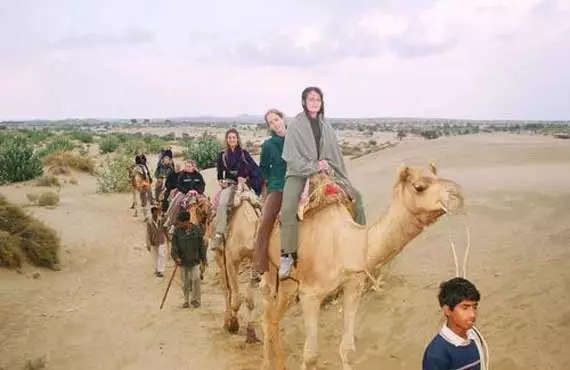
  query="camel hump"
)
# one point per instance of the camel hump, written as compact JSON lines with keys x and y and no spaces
{"x":322,"y":190}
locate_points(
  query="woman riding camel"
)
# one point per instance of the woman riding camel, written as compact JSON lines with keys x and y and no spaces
{"x":235,"y":165}
{"x":311,"y":146}
{"x":273,"y":169}
{"x":188,"y":181}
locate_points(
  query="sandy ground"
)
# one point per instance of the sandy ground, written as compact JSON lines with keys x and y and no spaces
{"x":101,"y":310}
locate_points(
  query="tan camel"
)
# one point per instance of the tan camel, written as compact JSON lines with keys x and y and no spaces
{"x":139,"y":185}
{"x":238,"y":248}
{"x":336,"y":253}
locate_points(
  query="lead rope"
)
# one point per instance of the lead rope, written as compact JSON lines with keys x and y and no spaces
{"x":465,"y":259}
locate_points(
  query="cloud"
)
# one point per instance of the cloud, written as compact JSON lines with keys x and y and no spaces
{"x":131,"y":36}
{"x":416,"y":42}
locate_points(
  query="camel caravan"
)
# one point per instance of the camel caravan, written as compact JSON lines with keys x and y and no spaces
{"x":295,"y":220}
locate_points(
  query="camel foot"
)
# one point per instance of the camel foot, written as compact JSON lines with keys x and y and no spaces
{"x":250,"y":336}
{"x":232,"y":325}
{"x":132,"y":206}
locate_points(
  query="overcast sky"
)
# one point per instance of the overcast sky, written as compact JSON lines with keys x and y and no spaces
{"x":503,"y":59}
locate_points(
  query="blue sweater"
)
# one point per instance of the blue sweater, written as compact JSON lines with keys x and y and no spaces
{"x":443,"y":355}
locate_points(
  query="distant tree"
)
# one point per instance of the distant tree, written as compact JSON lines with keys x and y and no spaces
{"x":401,"y":134}
{"x":133,"y":120}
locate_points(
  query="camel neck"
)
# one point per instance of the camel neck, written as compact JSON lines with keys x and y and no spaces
{"x":389,"y":235}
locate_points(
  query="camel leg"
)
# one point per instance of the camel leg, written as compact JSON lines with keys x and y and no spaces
{"x":235,"y":299}
{"x":251,"y":337}
{"x":274,"y":307}
{"x":144,"y":202}
{"x":352,"y":293}
{"x":311,"y":309}
{"x":134,"y":203}
{"x":231,"y":291}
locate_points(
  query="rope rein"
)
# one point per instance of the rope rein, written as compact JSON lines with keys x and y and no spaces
{"x":457,"y":274}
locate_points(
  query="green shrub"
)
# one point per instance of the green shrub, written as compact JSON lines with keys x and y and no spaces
{"x":109,"y":144}
{"x":49,"y":198}
{"x":18,"y":162}
{"x":68,"y":159}
{"x":47,"y":180}
{"x":37,"y":136}
{"x":133,"y":146}
{"x":113,"y":176}
{"x":39,"y":242}
{"x":59,"y":144}
{"x":73,"y":181}
{"x":204,"y":150}
{"x":33,"y":198}
{"x":83,"y":136}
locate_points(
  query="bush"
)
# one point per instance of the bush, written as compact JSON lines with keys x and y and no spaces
{"x":9,"y":250}
{"x":67,"y":159}
{"x":204,"y":150}
{"x":134,"y":146}
{"x":113,"y":176}
{"x":39,"y":242}
{"x":32,"y":197}
{"x":83,"y":136}
{"x":49,"y":198}
{"x":18,"y":162}
{"x":36,"y":136}
{"x":109,"y":144}
{"x":59,"y":144}
{"x":73,"y":181}
{"x":47,"y":180}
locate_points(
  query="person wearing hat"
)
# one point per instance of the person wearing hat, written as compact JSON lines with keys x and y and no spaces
{"x":156,"y":237}
{"x":189,"y":252}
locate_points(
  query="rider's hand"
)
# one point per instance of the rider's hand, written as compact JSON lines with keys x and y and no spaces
{"x":178,"y":261}
{"x":241,"y":180}
{"x":323,"y":165}
{"x":221,"y":183}
{"x":193,"y":192}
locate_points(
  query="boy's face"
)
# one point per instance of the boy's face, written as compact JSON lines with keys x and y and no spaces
{"x":462,"y":316}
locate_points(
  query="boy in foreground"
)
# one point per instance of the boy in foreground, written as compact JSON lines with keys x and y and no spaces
{"x":457,"y":346}
{"x":188,"y":251}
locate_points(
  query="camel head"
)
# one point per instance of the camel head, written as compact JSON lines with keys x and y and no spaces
{"x":425,"y":195}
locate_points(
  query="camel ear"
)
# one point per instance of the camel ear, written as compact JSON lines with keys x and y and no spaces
{"x":433,"y":168}
{"x":403,"y":172}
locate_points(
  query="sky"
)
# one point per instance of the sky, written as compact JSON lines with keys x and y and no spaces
{"x":477,"y":59}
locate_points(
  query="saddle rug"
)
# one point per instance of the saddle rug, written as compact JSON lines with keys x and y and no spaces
{"x":322,"y":190}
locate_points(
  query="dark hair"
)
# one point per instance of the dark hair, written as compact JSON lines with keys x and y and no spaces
{"x":304,"y":95}
{"x":230,"y":131}
{"x":183,"y":216}
{"x":456,"y":290}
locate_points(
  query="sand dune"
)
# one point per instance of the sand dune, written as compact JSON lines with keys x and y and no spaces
{"x":101,"y":311}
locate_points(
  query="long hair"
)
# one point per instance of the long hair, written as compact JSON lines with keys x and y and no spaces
{"x":304,"y":96}
{"x":231,"y":131}
{"x":272,"y":111}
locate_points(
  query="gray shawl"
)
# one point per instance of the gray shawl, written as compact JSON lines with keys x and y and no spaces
{"x":300,"y":151}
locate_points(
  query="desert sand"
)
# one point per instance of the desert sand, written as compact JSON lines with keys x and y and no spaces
{"x":101,"y":311}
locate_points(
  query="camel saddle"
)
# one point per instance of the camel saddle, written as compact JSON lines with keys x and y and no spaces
{"x":322,"y":190}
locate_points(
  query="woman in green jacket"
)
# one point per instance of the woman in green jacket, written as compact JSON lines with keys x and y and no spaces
{"x":310,"y":146}
{"x":273,"y":169}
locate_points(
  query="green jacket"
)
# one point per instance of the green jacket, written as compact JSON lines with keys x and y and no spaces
{"x":273,"y":167}
{"x":188,"y":245}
